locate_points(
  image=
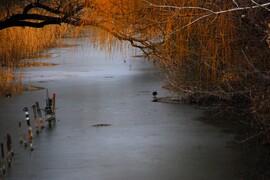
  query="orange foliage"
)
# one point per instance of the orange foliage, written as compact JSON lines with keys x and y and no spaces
{"x":199,"y":47}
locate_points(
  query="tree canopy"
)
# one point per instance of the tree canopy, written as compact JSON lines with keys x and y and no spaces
{"x":213,"y":47}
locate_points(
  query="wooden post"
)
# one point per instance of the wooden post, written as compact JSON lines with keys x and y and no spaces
{"x":3,"y":165}
{"x":30,"y":138}
{"x":49,"y":114}
{"x":47,"y":97}
{"x":35,"y":118}
{"x":39,"y":115}
{"x":30,"y":134}
{"x":20,"y":132}
{"x":53,"y":103}
{"x":10,"y":152}
{"x":25,"y":140}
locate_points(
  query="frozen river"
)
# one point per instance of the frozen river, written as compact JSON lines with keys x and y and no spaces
{"x":146,"y":140}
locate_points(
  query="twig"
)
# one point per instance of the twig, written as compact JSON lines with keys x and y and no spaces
{"x":210,"y":12}
{"x":179,"y":8}
{"x":248,"y":138}
{"x":235,"y":3}
{"x":260,"y":5}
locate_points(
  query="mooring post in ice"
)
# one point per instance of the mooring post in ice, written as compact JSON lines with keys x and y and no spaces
{"x":25,"y":140}
{"x":48,"y":100}
{"x":30,"y":138}
{"x":39,"y":115}
{"x":53,"y":103}
{"x":49,"y":115}
{"x":47,"y":93}
{"x":35,"y":118}
{"x":10,"y":152}
{"x":3,"y":163}
{"x":20,"y":133}
{"x":29,"y":128}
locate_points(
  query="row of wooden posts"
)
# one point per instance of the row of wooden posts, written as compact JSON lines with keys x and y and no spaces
{"x":26,"y":138}
{"x":6,"y":162}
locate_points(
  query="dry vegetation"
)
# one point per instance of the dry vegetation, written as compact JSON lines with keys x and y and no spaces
{"x":214,"y":51}
{"x":19,"y":43}
{"x":8,"y":82}
{"x":217,"y":52}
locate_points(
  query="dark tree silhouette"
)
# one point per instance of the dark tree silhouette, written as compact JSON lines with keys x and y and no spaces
{"x":55,"y":14}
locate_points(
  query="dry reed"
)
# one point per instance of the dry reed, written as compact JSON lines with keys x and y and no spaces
{"x":9,"y":83}
{"x":18,"y":43}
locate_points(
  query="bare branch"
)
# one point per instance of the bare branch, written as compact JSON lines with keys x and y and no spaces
{"x":192,"y":22}
{"x":38,"y":5}
{"x":211,"y":11}
{"x":248,"y":138}
{"x":179,"y":8}
{"x":260,"y":5}
{"x":235,"y":3}
{"x":243,"y":8}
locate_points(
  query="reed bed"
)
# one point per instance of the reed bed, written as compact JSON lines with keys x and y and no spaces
{"x":9,"y":83}
{"x":19,"y":43}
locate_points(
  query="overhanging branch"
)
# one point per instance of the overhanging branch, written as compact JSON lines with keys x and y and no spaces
{"x":38,"y":21}
{"x":31,"y":20}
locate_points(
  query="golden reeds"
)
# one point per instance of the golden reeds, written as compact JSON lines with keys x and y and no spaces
{"x":9,"y":84}
{"x":18,"y":43}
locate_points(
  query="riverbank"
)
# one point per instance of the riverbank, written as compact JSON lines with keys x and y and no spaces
{"x":247,"y":136}
{"x":245,"y":133}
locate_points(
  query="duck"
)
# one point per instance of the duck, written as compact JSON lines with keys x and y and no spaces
{"x":8,"y":95}
{"x":155,"y":99}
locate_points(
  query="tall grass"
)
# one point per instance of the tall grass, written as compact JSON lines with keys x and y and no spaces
{"x":18,"y":43}
{"x":9,"y":83}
